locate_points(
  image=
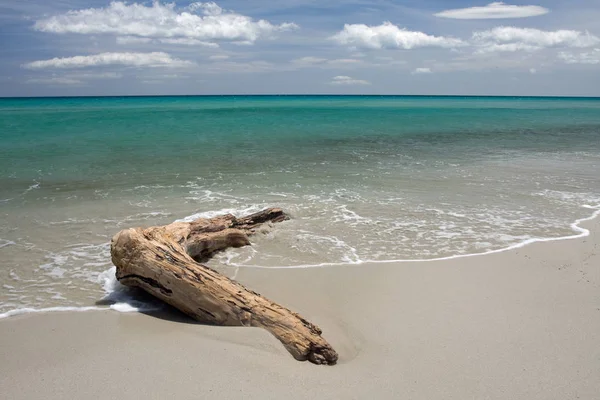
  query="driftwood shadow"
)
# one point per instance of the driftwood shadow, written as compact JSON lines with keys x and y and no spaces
{"x":171,"y":314}
{"x":148,"y":305}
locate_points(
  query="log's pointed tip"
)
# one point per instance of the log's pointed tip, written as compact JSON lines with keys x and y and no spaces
{"x":323,"y":356}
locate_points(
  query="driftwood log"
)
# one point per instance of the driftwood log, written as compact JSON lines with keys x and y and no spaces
{"x":165,"y":262}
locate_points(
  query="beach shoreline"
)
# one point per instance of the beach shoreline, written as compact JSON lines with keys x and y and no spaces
{"x":520,"y":324}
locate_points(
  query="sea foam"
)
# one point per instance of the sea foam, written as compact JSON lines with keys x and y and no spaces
{"x":124,"y":299}
{"x":575,"y":226}
{"x":238,"y":212}
{"x":117,"y":297}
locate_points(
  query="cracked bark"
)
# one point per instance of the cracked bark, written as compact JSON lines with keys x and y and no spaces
{"x":163,"y":261}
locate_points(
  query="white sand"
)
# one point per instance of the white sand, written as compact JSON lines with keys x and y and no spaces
{"x":523,"y":324}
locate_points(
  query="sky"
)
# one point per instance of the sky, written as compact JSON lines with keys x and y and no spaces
{"x":411,"y":47}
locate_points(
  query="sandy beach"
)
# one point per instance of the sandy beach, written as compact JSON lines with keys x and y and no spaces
{"x":522,"y":324}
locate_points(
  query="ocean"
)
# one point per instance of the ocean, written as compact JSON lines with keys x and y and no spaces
{"x":366,"y":179}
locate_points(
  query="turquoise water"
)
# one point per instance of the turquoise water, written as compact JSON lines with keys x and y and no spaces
{"x":366,"y":178}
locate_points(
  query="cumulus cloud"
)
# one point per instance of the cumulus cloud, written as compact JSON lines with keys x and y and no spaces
{"x":219,"y":57}
{"x":204,"y":22}
{"x":498,"y":39}
{"x":494,"y":11}
{"x":346,"y":80}
{"x":155,"y":59}
{"x":507,"y":47}
{"x":389,"y":36}
{"x":508,"y":38}
{"x":591,"y":57}
{"x":417,"y":71}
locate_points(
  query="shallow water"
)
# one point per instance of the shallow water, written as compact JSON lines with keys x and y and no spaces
{"x":365,"y":179}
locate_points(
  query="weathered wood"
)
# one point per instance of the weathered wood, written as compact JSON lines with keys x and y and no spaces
{"x":163,"y":260}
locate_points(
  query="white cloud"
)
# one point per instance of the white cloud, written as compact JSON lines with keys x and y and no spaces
{"x":511,"y":39}
{"x":55,"y":81}
{"x":205,"y":22}
{"x":389,"y":36}
{"x":189,"y":42}
{"x":417,"y":71}
{"x":132,"y":40}
{"x":508,"y":47}
{"x":155,"y":59}
{"x":591,"y":57}
{"x":532,"y":71}
{"x":536,"y":37}
{"x":346,"y":80}
{"x":207,"y":8}
{"x":494,"y":11}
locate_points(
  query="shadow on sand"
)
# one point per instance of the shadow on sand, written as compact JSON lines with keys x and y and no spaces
{"x":148,"y":305}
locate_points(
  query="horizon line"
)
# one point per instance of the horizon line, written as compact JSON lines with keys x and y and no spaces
{"x":300,"y":95}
